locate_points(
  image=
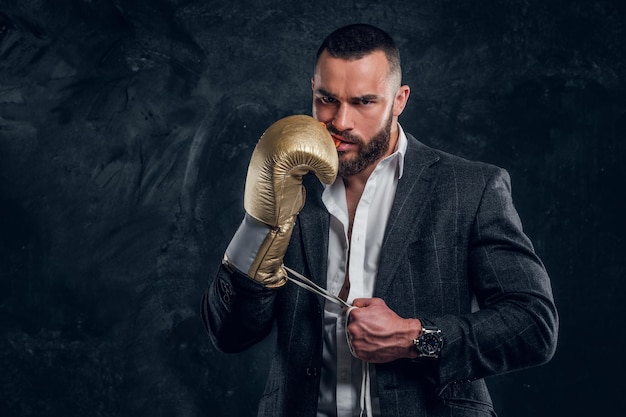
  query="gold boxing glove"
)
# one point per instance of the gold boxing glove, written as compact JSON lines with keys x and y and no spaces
{"x":274,"y":194}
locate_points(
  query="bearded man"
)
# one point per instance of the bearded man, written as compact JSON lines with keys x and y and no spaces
{"x":426,"y":283}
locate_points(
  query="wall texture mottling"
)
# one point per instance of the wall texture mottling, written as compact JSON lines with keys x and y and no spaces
{"x":125,"y":131}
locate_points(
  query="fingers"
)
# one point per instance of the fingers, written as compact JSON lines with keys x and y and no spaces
{"x":365,"y":302}
{"x":375,"y":333}
{"x":348,"y":335}
{"x":360,"y":307}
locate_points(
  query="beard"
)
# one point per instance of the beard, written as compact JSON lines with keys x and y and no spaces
{"x":368,"y":153}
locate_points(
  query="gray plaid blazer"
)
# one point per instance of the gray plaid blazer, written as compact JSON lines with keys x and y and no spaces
{"x":454,"y":255}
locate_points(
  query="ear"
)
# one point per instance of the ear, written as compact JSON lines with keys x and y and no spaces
{"x":400,"y":100}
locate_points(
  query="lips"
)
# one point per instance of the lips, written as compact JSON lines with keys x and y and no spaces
{"x":341,"y":144}
{"x":338,"y":140}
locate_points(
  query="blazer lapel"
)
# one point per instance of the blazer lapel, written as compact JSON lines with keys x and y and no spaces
{"x":412,"y":194}
{"x":314,"y":222}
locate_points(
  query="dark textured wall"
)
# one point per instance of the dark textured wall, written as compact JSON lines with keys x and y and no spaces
{"x":125,"y":132}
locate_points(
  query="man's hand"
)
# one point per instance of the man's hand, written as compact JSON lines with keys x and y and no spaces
{"x":377,"y":334}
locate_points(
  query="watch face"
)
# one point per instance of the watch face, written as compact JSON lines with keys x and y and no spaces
{"x":430,"y":343}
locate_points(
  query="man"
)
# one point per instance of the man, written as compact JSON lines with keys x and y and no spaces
{"x":427,"y":247}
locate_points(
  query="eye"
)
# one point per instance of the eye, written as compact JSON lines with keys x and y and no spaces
{"x":327,"y":99}
{"x":366,"y":100}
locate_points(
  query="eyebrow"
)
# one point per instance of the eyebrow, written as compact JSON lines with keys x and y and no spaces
{"x":366,"y":97}
{"x":324,"y":92}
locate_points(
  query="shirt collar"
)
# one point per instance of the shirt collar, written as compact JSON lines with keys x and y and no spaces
{"x":397,"y":157}
{"x":400,"y":150}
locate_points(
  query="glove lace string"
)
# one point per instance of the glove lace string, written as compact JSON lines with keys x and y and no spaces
{"x":307,"y":284}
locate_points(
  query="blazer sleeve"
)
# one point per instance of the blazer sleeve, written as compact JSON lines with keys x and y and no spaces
{"x":237,"y":311}
{"x":517,"y":323}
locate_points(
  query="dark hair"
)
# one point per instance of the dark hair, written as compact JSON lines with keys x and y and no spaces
{"x":355,"y":41}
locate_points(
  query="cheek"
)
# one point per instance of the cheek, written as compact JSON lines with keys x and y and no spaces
{"x":372,"y":119}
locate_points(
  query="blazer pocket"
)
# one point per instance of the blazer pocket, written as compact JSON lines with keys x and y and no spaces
{"x":468,"y":408}
{"x":467,"y":399}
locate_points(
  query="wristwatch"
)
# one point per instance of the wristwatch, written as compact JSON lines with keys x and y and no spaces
{"x":429,"y":342}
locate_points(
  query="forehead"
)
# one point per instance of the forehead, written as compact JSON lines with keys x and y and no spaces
{"x":368,"y":75}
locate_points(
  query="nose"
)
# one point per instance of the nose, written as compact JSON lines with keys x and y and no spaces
{"x":342,"y":119}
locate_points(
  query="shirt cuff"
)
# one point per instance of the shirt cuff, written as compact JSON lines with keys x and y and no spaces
{"x":245,"y":244}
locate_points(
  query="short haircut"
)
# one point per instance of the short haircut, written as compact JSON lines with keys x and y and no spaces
{"x":355,"y":41}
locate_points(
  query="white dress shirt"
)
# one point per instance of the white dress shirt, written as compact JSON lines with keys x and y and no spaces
{"x":342,"y":374}
{"x":342,"y":377}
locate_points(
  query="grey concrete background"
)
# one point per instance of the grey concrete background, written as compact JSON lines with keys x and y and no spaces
{"x":125,"y":132}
